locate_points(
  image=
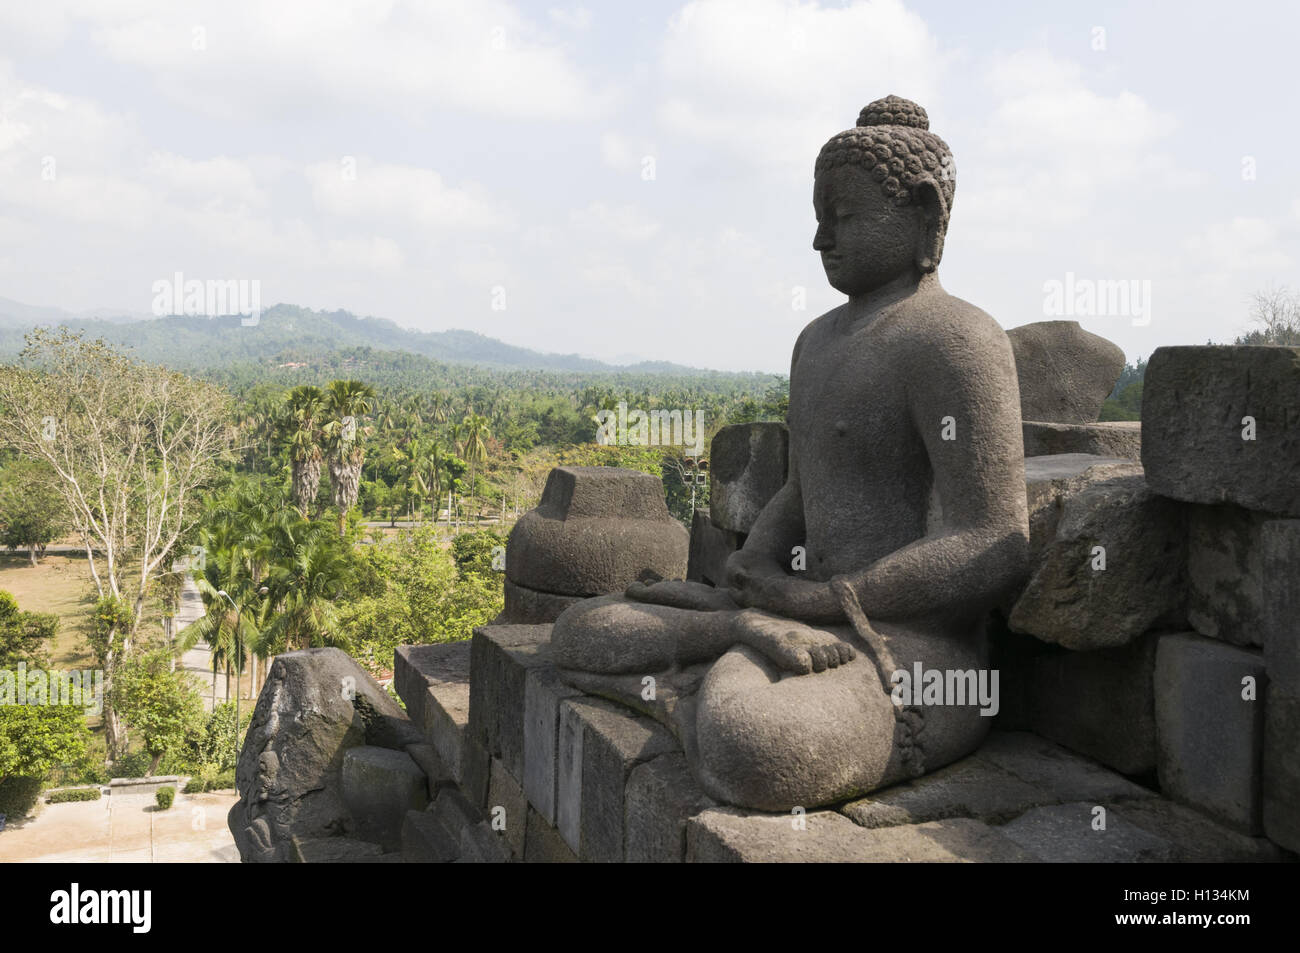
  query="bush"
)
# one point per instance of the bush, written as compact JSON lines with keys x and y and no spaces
{"x":83,"y":771}
{"x":165,"y":796}
{"x":18,"y":795}
{"x":210,"y":779}
{"x":217,"y":746}
{"x":75,"y":794}
{"x":199,"y":782}
{"x":135,"y":764}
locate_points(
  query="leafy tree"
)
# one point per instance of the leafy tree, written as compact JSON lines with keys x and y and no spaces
{"x":1127,"y":407}
{"x":419,"y":597}
{"x":32,"y":514}
{"x":475,"y":553}
{"x":131,"y":445}
{"x":23,"y":635}
{"x":162,"y":705}
{"x":34,"y":738}
{"x":218,"y":745}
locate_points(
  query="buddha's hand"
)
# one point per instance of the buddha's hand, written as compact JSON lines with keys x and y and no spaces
{"x":791,"y":646}
{"x":681,"y":594}
{"x":745,"y":564}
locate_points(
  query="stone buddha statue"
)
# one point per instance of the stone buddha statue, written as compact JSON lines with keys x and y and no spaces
{"x":901,"y":524}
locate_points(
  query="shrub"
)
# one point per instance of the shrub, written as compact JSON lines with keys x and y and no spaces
{"x":217,"y":746}
{"x":18,"y":795}
{"x":83,"y":771}
{"x":136,"y":765}
{"x":210,"y":779}
{"x":74,"y":794}
{"x":165,"y":796}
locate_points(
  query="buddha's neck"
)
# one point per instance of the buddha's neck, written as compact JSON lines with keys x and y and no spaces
{"x":906,"y":284}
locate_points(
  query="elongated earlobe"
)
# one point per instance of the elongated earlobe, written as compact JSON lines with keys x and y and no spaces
{"x":929,"y":243}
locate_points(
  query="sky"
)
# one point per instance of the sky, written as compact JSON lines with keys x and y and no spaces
{"x":634,"y":181}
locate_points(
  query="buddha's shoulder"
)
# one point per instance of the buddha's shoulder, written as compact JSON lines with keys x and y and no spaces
{"x":818,"y":326}
{"x":938,"y":319}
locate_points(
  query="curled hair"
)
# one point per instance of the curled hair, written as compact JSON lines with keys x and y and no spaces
{"x":893,"y":143}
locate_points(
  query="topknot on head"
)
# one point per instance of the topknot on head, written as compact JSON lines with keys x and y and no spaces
{"x":894,"y":111}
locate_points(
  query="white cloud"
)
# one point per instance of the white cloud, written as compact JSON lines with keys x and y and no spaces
{"x":367,"y":254}
{"x":624,"y":223}
{"x":771,"y":81}
{"x":1244,"y":245}
{"x":1054,"y":151}
{"x":211,"y":182}
{"x":575,"y":18}
{"x":385,"y":191}
{"x":247,"y":58}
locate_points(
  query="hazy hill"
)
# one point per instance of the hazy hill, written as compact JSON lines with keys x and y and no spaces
{"x":290,"y":334}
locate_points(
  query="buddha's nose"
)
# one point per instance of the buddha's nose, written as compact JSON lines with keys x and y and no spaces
{"x":823,"y":240}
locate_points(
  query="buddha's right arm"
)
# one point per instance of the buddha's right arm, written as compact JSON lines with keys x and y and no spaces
{"x":780,"y":524}
{"x":778,"y":529}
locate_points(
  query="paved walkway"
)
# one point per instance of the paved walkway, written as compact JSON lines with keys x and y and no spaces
{"x":198,"y":660}
{"x":125,"y":829}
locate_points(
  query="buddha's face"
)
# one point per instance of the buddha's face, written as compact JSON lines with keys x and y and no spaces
{"x":865,"y":240}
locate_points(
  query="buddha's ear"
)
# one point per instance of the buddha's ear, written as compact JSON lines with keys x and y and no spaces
{"x":934,"y":216}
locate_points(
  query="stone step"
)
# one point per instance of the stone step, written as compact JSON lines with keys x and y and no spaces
{"x":426,"y":841}
{"x":501,"y":656}
{"x":1012,"y":773}
{"x":338,"y":850}
{"x":433,"y":681}
{"x":724,"y":835}
{"x":480,"y":844}
{"x":1118,"y":438}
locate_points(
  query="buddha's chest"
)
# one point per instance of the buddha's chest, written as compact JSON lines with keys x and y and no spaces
{"x":848,"y":394}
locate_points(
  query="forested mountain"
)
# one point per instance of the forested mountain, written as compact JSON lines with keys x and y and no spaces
{"x":287,"y":334}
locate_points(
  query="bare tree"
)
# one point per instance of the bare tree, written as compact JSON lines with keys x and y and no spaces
{"x":130,"y":445}
{"x":1276,"y":313}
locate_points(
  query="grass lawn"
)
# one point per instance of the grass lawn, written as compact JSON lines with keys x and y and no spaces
{"x":59,"y":584}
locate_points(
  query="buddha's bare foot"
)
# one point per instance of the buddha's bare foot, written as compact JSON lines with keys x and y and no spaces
{"x":681,"y":594}
{"x":790,"y":645}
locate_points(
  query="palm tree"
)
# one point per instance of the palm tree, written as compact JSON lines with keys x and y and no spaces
{"x":311,"y":568}
{"x":438,"y":405}
{"x":431,"y":476}
{"x":410,"y":464}
{"x":476,"y":428}
{"x":346,"y":401}
{"x":231,"y":623}
{"x":305,"y":404}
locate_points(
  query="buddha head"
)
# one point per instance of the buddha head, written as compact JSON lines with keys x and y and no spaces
{"x":882,"y":193}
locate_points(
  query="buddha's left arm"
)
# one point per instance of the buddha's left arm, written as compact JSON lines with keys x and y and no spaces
{"x":965,"y":403}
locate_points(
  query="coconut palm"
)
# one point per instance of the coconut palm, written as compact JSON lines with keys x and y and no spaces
{"x":475,"y":451}
{"x":311,"y":568}
{"x":346,"y":402}
{"x":439,"y":404}
{"x":410,"y":465}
